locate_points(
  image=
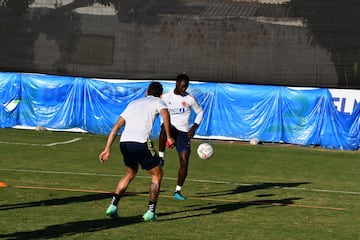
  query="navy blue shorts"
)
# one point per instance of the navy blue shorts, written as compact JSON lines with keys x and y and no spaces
{"x":135,"y":153}
{"x":182,"y":140}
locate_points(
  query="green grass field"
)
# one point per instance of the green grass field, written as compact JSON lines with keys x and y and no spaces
{"x":59,"y":190}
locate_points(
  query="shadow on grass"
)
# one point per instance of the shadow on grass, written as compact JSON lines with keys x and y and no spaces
{"x":57,"y":201}
{"x":253,"y":187}
{"x":72,"y":228}
{"x":233,"y":206}
{"x":227,"y":207}
{"x":86,"y":226}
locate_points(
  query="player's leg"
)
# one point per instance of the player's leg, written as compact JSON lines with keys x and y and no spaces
{"x":182,"y":174}
{"x":154,"y":189}
{"x":126,"y":179}
{"x":150,"y":161}
{"x":156,"y":177}
{"x":120,"y":190}
{"x":183,"y":149}
{"x":184,"y":166}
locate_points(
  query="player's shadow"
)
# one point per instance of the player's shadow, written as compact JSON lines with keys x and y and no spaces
{"x":226,"y":207}
{"x":72,"y":228}
{"x":252,"y":187}
{"x":57,"y":201}
{"x":236,"y":205}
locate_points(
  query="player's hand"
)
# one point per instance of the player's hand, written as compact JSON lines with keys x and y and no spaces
{"x":104,"y":156}
{"x":170,"y":143}
{"x":191,"y":132}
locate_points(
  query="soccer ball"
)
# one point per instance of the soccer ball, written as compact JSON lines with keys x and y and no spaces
{"x":205,"y":151}
{"x":254,"y":141}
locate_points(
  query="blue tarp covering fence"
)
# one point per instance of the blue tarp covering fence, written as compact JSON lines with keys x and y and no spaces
{"x":232,"y":111}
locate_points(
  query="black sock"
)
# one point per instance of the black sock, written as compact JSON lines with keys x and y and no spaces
{"x":115,"y":199}
{"x":152,"y":206}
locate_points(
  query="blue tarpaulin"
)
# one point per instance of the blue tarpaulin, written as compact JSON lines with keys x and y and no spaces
{"x":236,"y":111}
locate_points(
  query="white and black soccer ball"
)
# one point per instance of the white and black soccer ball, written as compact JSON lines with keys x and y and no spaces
{"x":205,"y":151}
{"x":254,"y":141}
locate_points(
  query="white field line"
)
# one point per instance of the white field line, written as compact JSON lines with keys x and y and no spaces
{"x":66,"y":142}
{"x":44,"y":145}
{"x":172,"y":179}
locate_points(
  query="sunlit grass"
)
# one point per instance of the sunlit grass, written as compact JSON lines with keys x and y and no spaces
{"x":266,"y":191}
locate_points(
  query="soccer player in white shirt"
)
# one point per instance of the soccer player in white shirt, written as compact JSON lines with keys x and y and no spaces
{"x":180,"y":104}
{"x":137,"y":147}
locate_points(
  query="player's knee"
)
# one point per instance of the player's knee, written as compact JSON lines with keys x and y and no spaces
{"x":183,"y":163}
{"x":131,"y":176}
{"x":157,"y":174}
{"x":156,"y":179}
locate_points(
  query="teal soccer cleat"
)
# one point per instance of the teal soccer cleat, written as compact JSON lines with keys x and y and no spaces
{"x":149,"y":216}
{"x":178,"y":196}
{"x":112,"y":212}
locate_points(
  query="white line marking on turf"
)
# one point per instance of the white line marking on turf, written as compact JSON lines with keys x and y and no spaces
{"x":44,"y":145}
{"x":167,"y":178}
{"x":66,"y":142}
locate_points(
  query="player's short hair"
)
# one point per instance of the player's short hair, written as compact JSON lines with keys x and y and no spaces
{"x":155,"y":89}
{"x":182,"y":77}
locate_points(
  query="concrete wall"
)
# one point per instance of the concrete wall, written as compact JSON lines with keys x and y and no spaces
{"x":93,"y":40}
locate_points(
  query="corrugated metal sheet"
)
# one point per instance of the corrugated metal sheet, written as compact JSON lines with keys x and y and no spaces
{"x":226,"y":8}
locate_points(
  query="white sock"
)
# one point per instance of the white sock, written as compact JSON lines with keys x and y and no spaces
{"x":161,"y":154}
{"x":178,"y":188}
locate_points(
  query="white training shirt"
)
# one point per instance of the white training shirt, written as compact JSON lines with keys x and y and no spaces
{"x":180,"y":108}
{"x":139,"y":118}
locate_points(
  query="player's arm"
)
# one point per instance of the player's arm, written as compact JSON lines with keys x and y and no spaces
{"x":192,"y":130}
{"x":162,"y":135}
{"x":162,"y":139}
{"x":166,"y":122}
{"x":105,"y":154}
{"x":198,"y":118}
